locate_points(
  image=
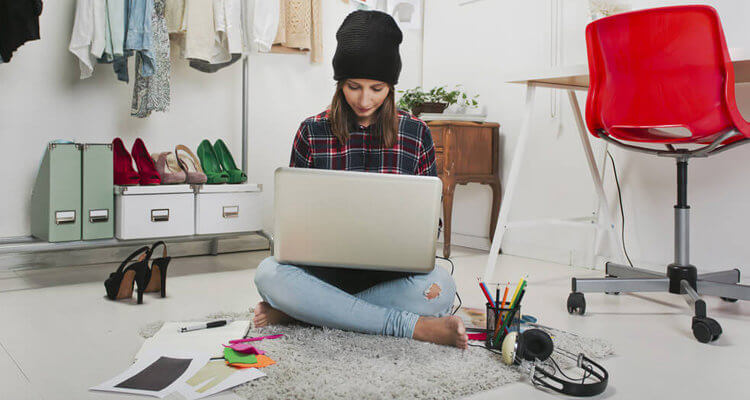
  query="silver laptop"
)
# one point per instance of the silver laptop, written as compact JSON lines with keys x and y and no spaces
{"x":356,"y":220}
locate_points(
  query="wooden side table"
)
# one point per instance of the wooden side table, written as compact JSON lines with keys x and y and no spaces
{"x":466,"y":152}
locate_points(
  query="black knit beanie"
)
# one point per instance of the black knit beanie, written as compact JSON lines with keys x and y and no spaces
{"x":368,"y":47}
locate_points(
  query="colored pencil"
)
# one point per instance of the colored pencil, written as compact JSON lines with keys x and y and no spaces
{"x":510,"y":317}
{"x":511,"y":313}
{"x":498,"y":323}
{"x":505,"y":296}
{"x":517,"y":299}
{"x":517,"y":291}
{"x":520,"y":297}
{"x":486,"y":293}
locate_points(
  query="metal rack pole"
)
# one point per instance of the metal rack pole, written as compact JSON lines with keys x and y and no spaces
{"x":245,"y":102}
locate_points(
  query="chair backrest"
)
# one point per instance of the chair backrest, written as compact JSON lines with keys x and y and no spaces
{"x":661,"y":75}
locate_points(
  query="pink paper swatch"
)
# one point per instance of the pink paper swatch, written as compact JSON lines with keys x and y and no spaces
{"x":478,"y":336}
{"x":255,"y":339}
{"x":245,"y":348}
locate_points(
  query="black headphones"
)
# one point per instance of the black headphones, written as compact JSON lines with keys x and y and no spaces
{"x":535,"y":346}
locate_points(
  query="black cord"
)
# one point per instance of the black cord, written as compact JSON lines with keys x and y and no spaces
{"x":535,"y":380}
{"x":622,"y":212}
{"x":557,"y":366}
{"x":457,"y":296}
{"x":484,"y":347}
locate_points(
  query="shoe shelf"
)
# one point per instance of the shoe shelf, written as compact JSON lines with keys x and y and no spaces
{"x":205,"y":197}
{"x":29,"y":244}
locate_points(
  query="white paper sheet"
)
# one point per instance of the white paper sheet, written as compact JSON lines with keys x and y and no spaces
{"x":169,"y":339}
{"x":193,"y":390}
{"x":197,"y":361}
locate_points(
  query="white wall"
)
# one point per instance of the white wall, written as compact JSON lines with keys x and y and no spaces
{"x":286,"y":89}
{"x":489,"y":40}
{"x":41,"y":98}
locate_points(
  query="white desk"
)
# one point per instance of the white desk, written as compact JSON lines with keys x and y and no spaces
{"x":570,"y":78}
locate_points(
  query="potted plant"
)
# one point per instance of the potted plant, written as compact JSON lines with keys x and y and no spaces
{"x":436,"y":100}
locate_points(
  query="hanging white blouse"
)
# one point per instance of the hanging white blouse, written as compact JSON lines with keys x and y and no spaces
{"x":99,"y":40}
{"x":228,"y":24}
{"x":88,"y":38}
{"x":265,"y":23}
{"x":200,"y":34}
{"x":174,"y":12}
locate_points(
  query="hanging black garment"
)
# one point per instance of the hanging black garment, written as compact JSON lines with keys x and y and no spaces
{"x":19,"y":23}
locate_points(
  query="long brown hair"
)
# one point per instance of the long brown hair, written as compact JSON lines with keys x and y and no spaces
{"x":344,"y":120}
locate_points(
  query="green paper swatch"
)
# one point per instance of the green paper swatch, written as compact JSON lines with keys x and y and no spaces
{"x":235,"y":357}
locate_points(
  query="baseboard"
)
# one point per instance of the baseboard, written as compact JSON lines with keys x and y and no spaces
{"x":470,"y":241}
{"x":88,"y":256}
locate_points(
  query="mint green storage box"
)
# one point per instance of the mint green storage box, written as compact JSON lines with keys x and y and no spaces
{"x":97,"y":218}
{"x":56,"y":198}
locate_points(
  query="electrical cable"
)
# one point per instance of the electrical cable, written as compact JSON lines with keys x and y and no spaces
{"x":457,"y":296}
{"x":483,"y":346}
{"x":622,"y":212}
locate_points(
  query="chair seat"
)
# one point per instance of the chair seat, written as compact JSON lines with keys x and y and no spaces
{"x":666,"y":134}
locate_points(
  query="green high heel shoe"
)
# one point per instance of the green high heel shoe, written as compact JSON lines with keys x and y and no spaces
{"x":227,"y":162}
{"x":210,"y":163}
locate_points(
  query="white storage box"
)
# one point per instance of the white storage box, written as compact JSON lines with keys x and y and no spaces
{"x":228,"y":209}
{"x":154,"y":211}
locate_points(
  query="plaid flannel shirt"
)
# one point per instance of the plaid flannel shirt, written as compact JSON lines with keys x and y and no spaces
{"x":315,"y":146}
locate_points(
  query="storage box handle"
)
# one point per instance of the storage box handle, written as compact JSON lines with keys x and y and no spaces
{"x":101,"y":215}
{"x":65,"y":217}
{"x":230,"y":211}
{"x":160,"y":215}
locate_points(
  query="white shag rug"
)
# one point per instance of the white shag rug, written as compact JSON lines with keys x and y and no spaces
{"x":322,"y":363}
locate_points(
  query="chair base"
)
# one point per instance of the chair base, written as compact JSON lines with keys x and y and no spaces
{"x":622,"y":278}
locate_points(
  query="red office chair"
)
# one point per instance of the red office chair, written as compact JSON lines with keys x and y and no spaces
{"x":664,"y":76}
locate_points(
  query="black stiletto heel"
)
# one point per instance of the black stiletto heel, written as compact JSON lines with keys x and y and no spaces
{"x":120,"y":283}
{"x":158,"y":273}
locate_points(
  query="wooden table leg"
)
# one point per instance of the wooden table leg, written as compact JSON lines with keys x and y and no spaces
{"x":448,"y":189}
{"x":495,"y":210}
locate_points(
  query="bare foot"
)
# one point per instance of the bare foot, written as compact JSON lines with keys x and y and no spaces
{"x":267,"y":315}
{"x":449,"y":331}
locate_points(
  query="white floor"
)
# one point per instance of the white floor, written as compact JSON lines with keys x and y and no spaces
{"x":59,"y":335}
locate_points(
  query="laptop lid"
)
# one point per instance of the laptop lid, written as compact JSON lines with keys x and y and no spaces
{"x":357,"y":220}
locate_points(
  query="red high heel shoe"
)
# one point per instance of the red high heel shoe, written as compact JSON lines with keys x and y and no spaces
{"x":145,"y":164}
{"x":124,"y":174}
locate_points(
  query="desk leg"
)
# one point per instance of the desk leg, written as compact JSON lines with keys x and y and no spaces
{"x":496,"y":193}
{"x":448,"y":190}
{"x":604,"y":217}
{"x":515,"y":169}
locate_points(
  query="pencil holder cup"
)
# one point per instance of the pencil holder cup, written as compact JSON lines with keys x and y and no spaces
{"x":495,"y":333}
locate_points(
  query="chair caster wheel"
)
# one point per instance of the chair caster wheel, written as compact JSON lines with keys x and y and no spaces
{"x":729,"y":299}
{"x":576,"y":303}
{"x":706,"y":329}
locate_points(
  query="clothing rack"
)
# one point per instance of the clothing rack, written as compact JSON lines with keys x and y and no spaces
{"x":29,"y":245}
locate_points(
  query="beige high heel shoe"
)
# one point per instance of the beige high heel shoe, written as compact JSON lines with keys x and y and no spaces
{"x":190,"y":164}
{"x":168,"y":168}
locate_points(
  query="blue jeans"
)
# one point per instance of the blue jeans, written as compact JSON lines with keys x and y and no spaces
{"x":138,"y":32}
{"x":388,"y":308}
